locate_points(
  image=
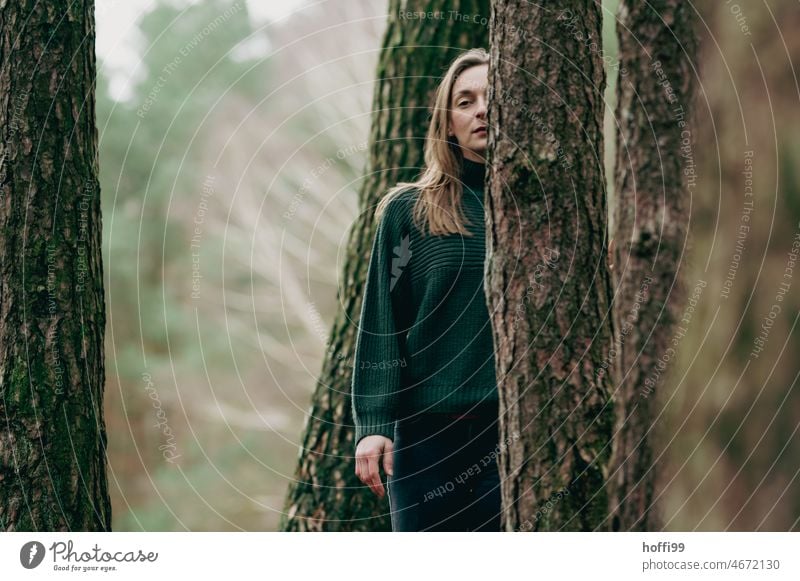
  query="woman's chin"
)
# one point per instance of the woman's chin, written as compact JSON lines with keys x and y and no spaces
{"x":479,"y":149}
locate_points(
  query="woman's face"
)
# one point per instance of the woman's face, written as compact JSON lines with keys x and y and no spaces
{"x":468,"y":111}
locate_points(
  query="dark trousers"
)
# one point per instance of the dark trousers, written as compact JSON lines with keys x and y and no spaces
{"x":445,"y":474}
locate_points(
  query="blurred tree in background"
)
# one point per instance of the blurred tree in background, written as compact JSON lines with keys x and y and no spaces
{"x":655,"y":179}
{"x":730,"y":451}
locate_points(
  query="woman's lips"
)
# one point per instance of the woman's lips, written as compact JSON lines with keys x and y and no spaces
{"x":480,"y":130}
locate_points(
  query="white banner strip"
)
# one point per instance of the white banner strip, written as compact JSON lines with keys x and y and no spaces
{"x":397,"y":556}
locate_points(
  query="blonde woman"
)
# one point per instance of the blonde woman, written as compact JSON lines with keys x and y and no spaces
{"x":424,"y":388}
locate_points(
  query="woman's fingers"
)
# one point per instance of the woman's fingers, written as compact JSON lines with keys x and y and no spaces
{"x":388,"y":460}
{"x":360,"y":467}
{"x":374,"y":475}
{"x":368,"y":461}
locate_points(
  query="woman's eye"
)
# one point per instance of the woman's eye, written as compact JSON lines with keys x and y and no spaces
{"x":462,"y":103}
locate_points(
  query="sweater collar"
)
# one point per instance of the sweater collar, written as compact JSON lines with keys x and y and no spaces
{"x":472,"y":173}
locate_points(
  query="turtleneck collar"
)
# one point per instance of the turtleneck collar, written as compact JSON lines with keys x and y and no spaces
{"x":472,"y":173}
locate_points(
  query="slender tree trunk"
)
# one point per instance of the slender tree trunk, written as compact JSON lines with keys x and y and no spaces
{"x":548,"y":284}
{"x":52,"y":309}
{"x":325,"y":493}
{"x":654,"y":179}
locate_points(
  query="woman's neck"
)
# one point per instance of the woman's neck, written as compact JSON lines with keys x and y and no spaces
{"x":473,"y":173}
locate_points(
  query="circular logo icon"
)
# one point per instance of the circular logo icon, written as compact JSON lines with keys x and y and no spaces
{"x":31,"y":554}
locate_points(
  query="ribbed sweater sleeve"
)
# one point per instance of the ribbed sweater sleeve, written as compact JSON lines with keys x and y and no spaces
{"x":380,"y":353}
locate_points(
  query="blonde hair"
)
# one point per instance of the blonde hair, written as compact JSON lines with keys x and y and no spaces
{"x":439,"y":202}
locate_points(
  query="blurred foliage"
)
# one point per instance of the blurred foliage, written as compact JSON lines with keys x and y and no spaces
{"x":201,"y":161}
{"x":153,"y":168}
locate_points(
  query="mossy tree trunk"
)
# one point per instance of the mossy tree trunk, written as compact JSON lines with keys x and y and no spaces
{"x":325,"y":493}
{"x":52,"y":309}
{"x":655,"y":177}
{"x":548,"y":283}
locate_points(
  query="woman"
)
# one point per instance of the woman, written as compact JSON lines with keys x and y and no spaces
{"x":424,"y":387}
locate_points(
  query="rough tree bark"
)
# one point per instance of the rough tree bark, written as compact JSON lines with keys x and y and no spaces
{"x":548,"y":285}
{"x":654,"y":180}
{"x":52,"y":309}
{"x":325,"y":493}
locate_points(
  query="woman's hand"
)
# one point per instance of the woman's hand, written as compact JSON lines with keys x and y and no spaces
{"x":369,"y":452}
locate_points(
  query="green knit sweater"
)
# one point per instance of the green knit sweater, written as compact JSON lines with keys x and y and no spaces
{"x":424,"y":341}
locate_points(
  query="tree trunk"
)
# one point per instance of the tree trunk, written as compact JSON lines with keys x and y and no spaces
{"x":52,"y":309}
{"x":655,"y":178}
{"x":325,"y":493}
{"x":548,"y":285}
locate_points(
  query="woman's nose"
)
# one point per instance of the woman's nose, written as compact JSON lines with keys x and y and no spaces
{"x":481,"y":111}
